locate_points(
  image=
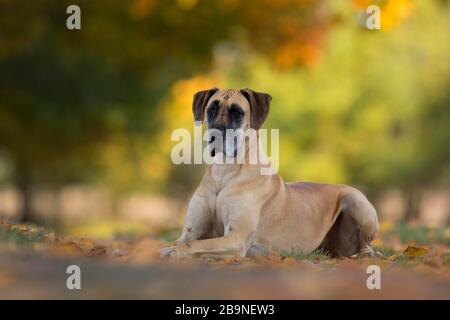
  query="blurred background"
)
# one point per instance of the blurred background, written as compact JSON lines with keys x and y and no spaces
{"x":86,"y":115}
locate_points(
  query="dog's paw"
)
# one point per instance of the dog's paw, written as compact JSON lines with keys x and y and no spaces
{"x":365,"y":251}
{"x":168,"y":252}
{"x":180,"y":251}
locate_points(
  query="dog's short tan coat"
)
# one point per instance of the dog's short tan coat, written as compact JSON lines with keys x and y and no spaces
{"x":238,"y":211}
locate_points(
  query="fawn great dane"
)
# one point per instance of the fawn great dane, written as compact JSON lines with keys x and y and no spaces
{"x":238,"y":211}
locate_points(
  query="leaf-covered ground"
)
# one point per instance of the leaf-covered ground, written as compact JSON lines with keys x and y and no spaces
{"x":414,"y":262}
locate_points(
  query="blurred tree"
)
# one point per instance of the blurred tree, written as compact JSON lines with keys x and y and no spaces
{"x":60,"y":103}
{"x":98,"y":104}
{"x":375,"y":111}
{"x":82,"y":103}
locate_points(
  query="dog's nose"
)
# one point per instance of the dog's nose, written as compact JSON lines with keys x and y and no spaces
{"x":222,"y":130}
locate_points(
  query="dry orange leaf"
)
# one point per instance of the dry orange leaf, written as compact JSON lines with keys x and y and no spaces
{"x":288,"y":262}
{"x":410,"y":252}
{"x":145,"y":251}
{"x":66,"y":249}
{"x":6,"y":277}
{"x":414,"y":252}
{"x":396,"y":255}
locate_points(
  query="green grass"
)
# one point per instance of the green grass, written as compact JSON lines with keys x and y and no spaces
{"x":418,"y":234}
{"x":318,"y":254}
{"x":168,"y":234}
{"x":447,"y":259}
{"x":385,"y":251}
{"x":20,"y":237}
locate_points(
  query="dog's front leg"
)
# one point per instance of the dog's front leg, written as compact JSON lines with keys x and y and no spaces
{"x":223,"y":246}
{"x":197,"y":222}
{"x":235,"y":242}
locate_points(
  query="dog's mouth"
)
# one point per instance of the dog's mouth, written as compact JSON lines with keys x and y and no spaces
{"x":213,"y":152}
{"x":214,"y":149}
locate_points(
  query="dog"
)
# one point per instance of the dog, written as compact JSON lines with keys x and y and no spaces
{"x":238,"y":211}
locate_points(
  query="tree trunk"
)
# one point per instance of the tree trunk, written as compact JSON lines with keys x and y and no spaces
{"x":413,"y":204}
{"x":25,"y":187}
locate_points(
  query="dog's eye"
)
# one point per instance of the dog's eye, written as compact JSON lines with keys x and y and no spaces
{"x":212,"y":111}
{"x":236,"y":113}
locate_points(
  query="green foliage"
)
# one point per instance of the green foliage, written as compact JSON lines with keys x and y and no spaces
{"x":384,"y":250}
{"x":82,"y":105}
{"x":19,"y":236}
{"x":372,"y":112}
{"x":314,"y":256}
{"x":168,"y":234}
{"x":418,"y":234}
{"x":353,"y":106}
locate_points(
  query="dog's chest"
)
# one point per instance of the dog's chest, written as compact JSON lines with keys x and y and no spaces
{"x":223,"y":210}
{"x":226,"y":201}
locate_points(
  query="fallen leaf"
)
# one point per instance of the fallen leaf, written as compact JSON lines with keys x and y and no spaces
{"x":145,"y":251}
{"x":66,"y":249}
{"x":396,"y":255}
{"x":414,"y":252}
{"x":86,"y":243}
{"x":288,"y":262}
{"x":6,"y":277}
{"x":98,"y":250}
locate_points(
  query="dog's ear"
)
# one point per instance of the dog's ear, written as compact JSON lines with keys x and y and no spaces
{"x":199,"y":103}
{"x":259,"y":106}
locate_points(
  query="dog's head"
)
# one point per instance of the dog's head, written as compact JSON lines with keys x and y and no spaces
{"x":229,"y":113}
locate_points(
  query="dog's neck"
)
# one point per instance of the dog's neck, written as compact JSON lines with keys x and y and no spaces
{"x":249,"y":162}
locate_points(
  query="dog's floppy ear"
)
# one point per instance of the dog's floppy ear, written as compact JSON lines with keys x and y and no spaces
{"x":199,"y":103}
{"x":259,"y":106}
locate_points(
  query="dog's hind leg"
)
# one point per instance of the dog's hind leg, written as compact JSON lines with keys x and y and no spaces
{"x":354,"y":228}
